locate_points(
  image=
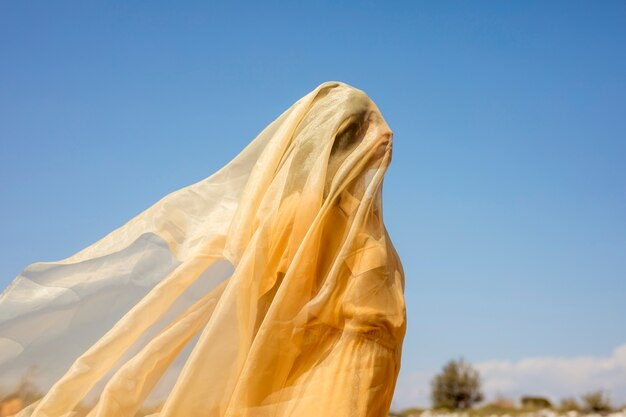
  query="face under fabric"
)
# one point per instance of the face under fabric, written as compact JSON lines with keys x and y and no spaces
{"x":271,"y":288}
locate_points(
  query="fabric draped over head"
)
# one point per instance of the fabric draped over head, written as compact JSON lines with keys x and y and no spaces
{"x":271,"y":288}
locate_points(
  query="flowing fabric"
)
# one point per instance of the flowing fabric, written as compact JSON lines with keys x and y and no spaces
{"x":271,"y":288}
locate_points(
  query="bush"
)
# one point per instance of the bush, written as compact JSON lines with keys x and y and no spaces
{"x":456,"y":387}
{"x":535,"y":402}
{"x":500,"y":405}
{"x":569,"y":404}
{"x":596,"y":402}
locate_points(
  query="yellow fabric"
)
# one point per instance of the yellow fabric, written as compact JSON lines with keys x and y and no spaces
{"x":270,"y":288}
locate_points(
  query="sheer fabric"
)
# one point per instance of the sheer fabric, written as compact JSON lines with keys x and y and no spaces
{"x":271,"y":288}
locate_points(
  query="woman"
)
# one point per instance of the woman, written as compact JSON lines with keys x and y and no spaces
{"x":270,"y":288}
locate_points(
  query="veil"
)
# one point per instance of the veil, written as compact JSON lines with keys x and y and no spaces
{"x":270,"y":288}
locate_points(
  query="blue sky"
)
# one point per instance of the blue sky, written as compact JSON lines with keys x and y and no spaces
{"x":506,"y":197}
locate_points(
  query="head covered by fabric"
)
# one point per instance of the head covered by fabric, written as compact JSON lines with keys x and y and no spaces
{"x":271,"y":288}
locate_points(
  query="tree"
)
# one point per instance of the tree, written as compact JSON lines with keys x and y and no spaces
{"x":456,"y":387}
{"x":597,"y":402}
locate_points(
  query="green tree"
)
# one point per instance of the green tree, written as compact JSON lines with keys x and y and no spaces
{"x":456,"y":387}
{"x":597,"y":402}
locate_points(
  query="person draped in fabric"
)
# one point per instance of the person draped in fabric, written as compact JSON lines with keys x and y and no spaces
{"x":271,"y":288}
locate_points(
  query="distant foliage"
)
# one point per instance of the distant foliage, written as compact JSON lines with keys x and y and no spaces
{"x":535,"y":402}
{"x":457,"y":387}
{"x":500,"y":403}
{"x":26,"y":392}
{"x":569,"y":404}
{"x":596,"y":402}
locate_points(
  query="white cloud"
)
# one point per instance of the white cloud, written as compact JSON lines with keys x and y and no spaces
{"x":554,"y":377}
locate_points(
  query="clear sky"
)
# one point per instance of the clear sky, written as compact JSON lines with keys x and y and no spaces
{"x":506,"y":197}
